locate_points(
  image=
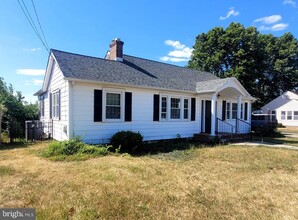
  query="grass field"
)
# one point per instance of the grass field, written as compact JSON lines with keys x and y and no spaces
{"x":200,"y":183}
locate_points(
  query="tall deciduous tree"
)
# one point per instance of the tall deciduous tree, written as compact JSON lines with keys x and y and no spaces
{"x":266,"y":65}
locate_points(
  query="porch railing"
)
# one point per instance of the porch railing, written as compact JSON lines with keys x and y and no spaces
{"x":224,"y":128}
{"x":243,"y":127}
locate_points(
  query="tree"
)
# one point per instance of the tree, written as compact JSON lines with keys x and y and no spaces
{"x":265,"y":65}
{"x":17,"y":112}
{"x":2,"y":110}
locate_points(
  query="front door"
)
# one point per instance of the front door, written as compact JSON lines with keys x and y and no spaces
{"x":208,"y":116}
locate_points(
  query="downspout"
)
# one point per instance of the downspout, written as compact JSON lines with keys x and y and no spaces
{"x":70,"y":110}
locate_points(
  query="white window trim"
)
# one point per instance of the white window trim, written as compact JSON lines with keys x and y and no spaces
{"x":285,"y":115}
{"x":122,"y":102}
{"x":169,"y":96}
{"x":231,"y":110}
{"x":58,"y":113}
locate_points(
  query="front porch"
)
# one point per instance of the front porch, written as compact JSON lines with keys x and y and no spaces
{"x":225,"y":110}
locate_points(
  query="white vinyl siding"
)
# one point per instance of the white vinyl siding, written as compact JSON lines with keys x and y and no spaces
{"x":142,"y":113}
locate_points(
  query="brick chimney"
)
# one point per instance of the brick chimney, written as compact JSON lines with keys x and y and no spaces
{"x":116,"y":50}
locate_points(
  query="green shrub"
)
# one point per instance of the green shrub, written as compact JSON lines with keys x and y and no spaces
{"x":73,"y":150}
{"x":269,"y":130}
{"x":94,"y":150}
{"x":128,"y":141}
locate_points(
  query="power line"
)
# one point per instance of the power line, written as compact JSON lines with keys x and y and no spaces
{"x":39,"y":24}
{"x":32,"y":24}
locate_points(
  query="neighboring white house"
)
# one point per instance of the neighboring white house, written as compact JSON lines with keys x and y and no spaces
{"x":93,"y":98}
{"x":284,"y":109}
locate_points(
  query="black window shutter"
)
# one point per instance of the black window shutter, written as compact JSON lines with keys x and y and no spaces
{"x":128,"y":106}
{"x":51,"y":104}
{"x":224,"y":108}
{"x":156,"y":107}
{"x":97,"y":105}
{"x":193,"y":109}
{"x":59,"y":104}
{"x":245,"y":111}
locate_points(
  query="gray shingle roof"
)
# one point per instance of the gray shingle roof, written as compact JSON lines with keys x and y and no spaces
{"x":132,"y":71}
{"x":211,"y":85}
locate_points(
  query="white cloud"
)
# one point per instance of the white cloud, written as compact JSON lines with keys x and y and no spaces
{"x":276,"y":27}
{"x":289,"y":2}
{"x":230,"y":13}
{"x":31,"y":72}
{"x":31,"y":49}
{"x":34,"y":82}
{"x":181,"y":52}
{"x":173,"y":59}
{"x":279,"y":27}
{"x":269,"y":19}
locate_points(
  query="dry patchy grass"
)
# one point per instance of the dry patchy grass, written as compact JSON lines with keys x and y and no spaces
{"x":203,"y":183}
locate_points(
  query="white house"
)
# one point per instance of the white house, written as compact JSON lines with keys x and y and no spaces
{"x":93,"y":98}
{"x":284,"y":109}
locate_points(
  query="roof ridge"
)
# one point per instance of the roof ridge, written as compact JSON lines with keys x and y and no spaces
{"x":184,"y":67}
{"x":81,"y":55}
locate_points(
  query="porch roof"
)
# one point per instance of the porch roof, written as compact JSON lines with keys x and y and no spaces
{"x":218,"y":85}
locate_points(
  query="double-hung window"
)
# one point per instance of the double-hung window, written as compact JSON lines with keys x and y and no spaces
{"x":174,"y":108}
{"x":164,"y":104}
{"x":56,"y":104}
{"x":295,"y":115}
{"x":289,"y":115}
{"x":283,"y":115}
{"x":228,"y":110}
{"x":113,"y":105}
{"x":186,"y":108}
{"x":234,"y":110}
{"x":41,"y":106}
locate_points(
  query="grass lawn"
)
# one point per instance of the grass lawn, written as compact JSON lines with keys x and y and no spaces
{"x":224,"y":182}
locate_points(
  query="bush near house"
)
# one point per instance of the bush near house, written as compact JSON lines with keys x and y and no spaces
{"x":73,"y":150}
{"x":128,"y":141}
{"x":266,"y":130}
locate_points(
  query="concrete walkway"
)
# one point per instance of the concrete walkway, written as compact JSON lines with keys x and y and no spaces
{"x":266,"y":144}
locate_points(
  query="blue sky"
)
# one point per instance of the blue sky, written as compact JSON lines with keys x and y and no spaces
{"x":163,"y":30}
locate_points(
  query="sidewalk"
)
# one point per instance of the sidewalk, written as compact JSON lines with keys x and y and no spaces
{"x":259,"y":143}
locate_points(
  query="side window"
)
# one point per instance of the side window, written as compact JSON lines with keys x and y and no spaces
{"x":228,"y":110}
{"x":289,"y":115}
{"x":164,"y":109}
{"x":234,"y":110}
{"x":55,"y":104}
{"x":283,"y":115}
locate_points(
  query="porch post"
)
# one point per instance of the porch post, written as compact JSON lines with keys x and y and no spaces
{"x":239,"y":106}
{"x":238,"y":112}
{"x":213,"y":114}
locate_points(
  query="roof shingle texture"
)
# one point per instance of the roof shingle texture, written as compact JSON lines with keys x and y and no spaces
{"x":132,"y":71}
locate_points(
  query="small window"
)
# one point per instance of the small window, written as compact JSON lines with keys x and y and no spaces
{"x":164,"y":107}
{"x":283,"y":115}
{"x":289,"y":115}
{"x":175,"y":108}
{"x":241,"y":115}
{"x":273,"y":115}
{"x":228,"y":110}
{"x":113,"y":105}
{"x":41,"y":106}
{"x":56,"y":104}
{"x":295,"y":115}
{"x":234,"y":110}
{"x":186,"y":109}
